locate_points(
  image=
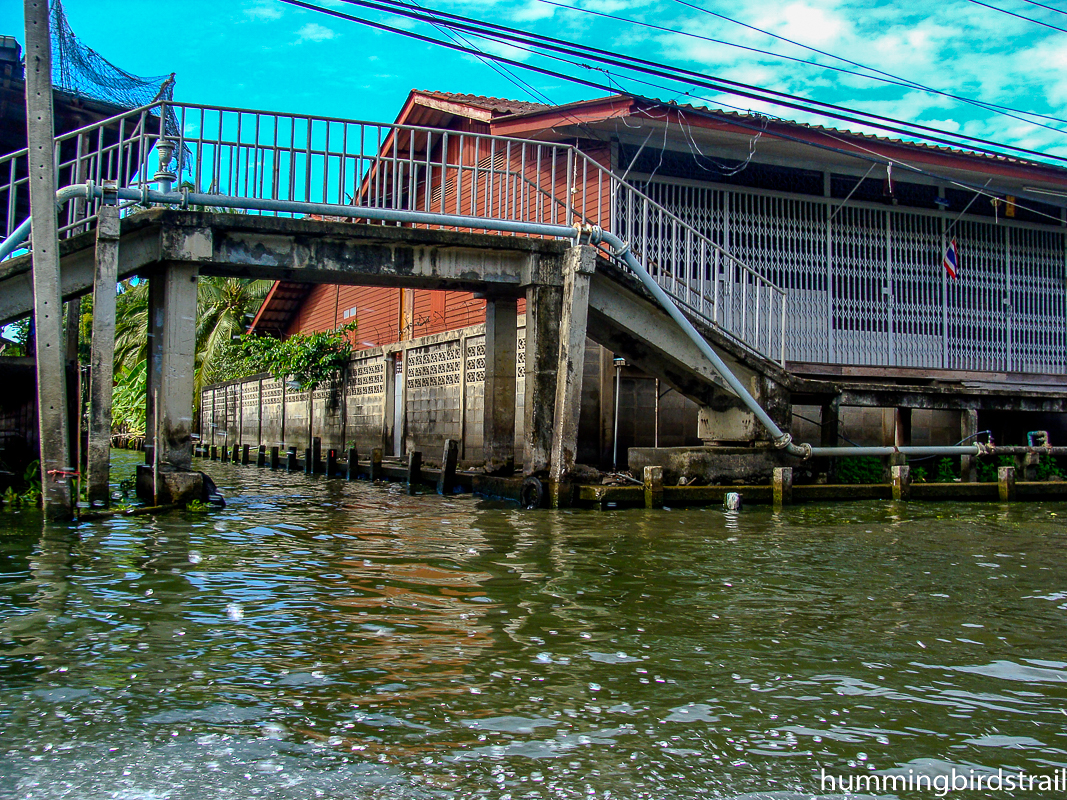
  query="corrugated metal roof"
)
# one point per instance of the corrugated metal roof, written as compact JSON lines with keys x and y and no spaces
{"x":497,"y":105}
{"x":520,"y":109}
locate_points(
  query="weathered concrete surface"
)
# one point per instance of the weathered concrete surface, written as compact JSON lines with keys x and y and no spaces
{"x":579,"y":266}
{"x":173,"y":487}
{"x":544,"y":310}
{"x":725,"y":465}
{"x":46,"y":300}
{"x":501,"y":351}
{"x":102,"y":358}
{"x":313,"y":251}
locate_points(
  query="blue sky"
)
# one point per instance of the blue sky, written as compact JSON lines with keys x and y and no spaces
{"x":265,"y":54}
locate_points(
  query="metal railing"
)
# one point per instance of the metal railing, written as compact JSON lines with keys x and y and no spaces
{"x":300,"y":158}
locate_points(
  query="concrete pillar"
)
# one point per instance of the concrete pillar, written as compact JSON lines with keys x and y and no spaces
{"x":968,"y":428}
{"x":1026,"y":466}
{"x":544,"y":308}
{"x":171,"y":368}
{"x":900,"y":476}
{"x":47,"y":299}
{"x":102,"y":356}
{"x":782,"y":486}
{"x":579,"y":264}
{"x":498,"y":421}
{"x":376,"y":464}
{"x":1006,"y":483}
{"x":653,"y":480}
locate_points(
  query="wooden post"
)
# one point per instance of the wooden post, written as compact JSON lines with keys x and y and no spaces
{"x":352,"y":464}
{"x":414,"y":470}
{"x":214,"y":452}
{"x":290,"y":460}
{"x":1006,"y":483}
{"x":446,"y":481}
{"x":901,"y":478}
{"x":316,"y":454}
{"x":376,"y":464}
{"x":331,"y":462}
{"x":236,"y":458}
{"x":245,"y":455}
{"x":274,"y":457}
{"x":261,"y":456}
{"x":782,"y":486}
{"x":653,"y":478}
{"x":102,"y":357}
{"x":309,"y":461}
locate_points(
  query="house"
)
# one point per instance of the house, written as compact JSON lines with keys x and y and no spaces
{"x":850,"y":228}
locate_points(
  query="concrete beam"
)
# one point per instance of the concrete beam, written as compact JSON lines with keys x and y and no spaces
{"x":498,"y":408}
{"x":102,"y":359}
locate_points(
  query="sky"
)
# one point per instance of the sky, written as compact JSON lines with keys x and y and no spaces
{"x":265,"y":54}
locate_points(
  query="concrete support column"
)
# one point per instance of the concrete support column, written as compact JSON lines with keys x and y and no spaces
{"x":900,"y":478}
{"x":47,"y":298}
{"x":171,"y":357}
{"x":102,"y":358}
{"x":544,"y":308}
{"x":968,"y":428}
{"x":782,"y":486}
{"x":579,"y":264}
{"x":178,"y":366}
{"x":498,"y":421}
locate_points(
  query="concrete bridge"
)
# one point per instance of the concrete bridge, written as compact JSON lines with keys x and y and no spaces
{"x":171,"y":248}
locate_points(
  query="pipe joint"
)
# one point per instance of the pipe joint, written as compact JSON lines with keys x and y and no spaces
{"x":783,"y":441}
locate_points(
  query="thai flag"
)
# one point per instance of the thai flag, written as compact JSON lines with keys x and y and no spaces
{"x":951,"y":261}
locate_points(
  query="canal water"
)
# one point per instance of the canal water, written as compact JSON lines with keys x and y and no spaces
{"x":323,"y":639}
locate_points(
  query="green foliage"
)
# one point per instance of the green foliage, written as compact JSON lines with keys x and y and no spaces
{"x":309,"y":359}
{"x":128,"y":400}
{"x":987,"y":467}
{"x":919,"y":475}
{"x":860,"y":469}
{"x":196,"y":507}
{"x":1049,"y":469}
{"x":30,"y":496}
{"x":946,"y":470}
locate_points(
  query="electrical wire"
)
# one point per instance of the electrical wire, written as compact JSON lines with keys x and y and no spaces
{"x":1042,"y":5}
{"x":874,"y":157}
{"x":1019,"y":16}
{"x":643,"y":66}
{"x":883,"y":77}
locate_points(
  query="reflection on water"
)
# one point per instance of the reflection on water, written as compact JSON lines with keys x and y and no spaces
{"x":324,"y":639}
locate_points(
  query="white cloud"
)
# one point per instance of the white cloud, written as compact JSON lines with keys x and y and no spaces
{"x":263,"y":12}
{"x":313,"y":32}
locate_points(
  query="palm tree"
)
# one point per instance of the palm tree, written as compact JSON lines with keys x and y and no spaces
{"x":225,"y":309}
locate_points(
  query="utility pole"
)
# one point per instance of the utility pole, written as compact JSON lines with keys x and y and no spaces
{"x":47,"y":298}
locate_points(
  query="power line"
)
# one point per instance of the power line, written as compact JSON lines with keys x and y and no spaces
{"x":882,"y":77}
{"x":875,"y":157}
{"x":1042,"y":5}
{"x":888,"y":77}
{"x":784,"y":99}
{"x":1019,"y":16}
